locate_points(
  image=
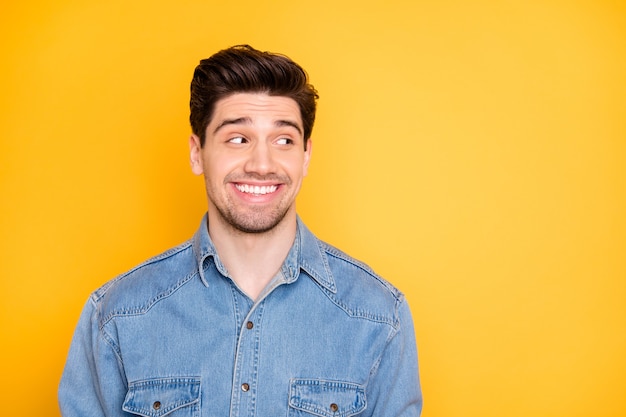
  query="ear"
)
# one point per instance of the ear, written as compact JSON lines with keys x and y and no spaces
{"x":195,"y":155}
{"x":307,"y":156}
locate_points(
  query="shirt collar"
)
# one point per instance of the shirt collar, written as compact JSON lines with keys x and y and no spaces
{"x":306,"y":254}
{"x":203,"y":249}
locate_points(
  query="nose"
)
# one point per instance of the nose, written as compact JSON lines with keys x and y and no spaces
{"x":260,"y":160}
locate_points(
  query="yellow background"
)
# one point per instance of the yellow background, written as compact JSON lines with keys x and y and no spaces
{"x":472,"y":152}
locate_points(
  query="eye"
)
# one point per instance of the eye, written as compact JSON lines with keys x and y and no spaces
{"x":237,"y":140}
{"x":284,"y":141}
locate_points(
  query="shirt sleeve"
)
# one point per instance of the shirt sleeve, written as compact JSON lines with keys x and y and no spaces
{"x":394,"y":388}
{"x":92,"y":383}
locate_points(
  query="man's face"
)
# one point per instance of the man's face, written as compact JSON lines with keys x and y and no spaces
{"x":253,"y":161}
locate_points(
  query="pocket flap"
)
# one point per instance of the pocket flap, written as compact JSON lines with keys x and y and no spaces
{"x":327,"y":398}
{"x":159,"y":397}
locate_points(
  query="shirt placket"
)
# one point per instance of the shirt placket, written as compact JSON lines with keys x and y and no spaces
{"x":245,"y":376}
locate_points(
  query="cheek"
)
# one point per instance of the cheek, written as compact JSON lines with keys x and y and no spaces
{"x":217,"y":168}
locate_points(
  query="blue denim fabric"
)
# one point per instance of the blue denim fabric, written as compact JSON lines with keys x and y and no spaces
{"x":176,"y":337}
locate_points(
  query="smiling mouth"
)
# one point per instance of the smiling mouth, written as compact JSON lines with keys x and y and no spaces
{"x":256,"y":189}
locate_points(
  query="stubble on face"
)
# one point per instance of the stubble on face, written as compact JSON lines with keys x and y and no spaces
{"x":253,"y":219}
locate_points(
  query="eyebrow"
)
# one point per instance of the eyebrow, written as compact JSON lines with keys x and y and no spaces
{"x":248,"y":121}
{"x":288,"y":123}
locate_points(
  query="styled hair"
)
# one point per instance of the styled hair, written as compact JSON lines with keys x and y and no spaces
{"x":243,"y":69}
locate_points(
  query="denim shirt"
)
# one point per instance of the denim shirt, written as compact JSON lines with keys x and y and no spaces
{"x":176,"y":337}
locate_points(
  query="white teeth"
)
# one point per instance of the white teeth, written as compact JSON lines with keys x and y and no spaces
{"x":255,"y":189}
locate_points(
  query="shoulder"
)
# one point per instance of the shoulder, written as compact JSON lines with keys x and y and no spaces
{"x":136,"y":291}
{"x":359,"y":289}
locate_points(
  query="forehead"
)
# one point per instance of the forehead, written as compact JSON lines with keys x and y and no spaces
{"x":258,"y":107}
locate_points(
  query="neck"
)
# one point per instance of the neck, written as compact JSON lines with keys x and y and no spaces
{"x":252,"y":259}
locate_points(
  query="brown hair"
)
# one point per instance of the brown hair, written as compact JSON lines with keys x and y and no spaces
{"x":243,"y":69}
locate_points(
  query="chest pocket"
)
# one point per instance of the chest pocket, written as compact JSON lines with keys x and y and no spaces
{"x":171,"y":397}
{"x":325,"y":398}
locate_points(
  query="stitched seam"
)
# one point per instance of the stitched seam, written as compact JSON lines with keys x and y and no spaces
{"x":145,"y":308}
{"x":337,"y":254}
{"x":98,"y":294}
{"x":392,"y":334}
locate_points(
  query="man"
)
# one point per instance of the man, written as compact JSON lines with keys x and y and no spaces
{"x":253,"y":316}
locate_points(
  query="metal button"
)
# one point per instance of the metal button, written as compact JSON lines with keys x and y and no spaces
{"x":156,"y":405}
{"x":245,"y":387}
{"x":334,"y":407}
{"x":249,"y":325}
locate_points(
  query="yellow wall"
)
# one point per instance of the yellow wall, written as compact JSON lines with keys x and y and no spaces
{"x":473,"y":152}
